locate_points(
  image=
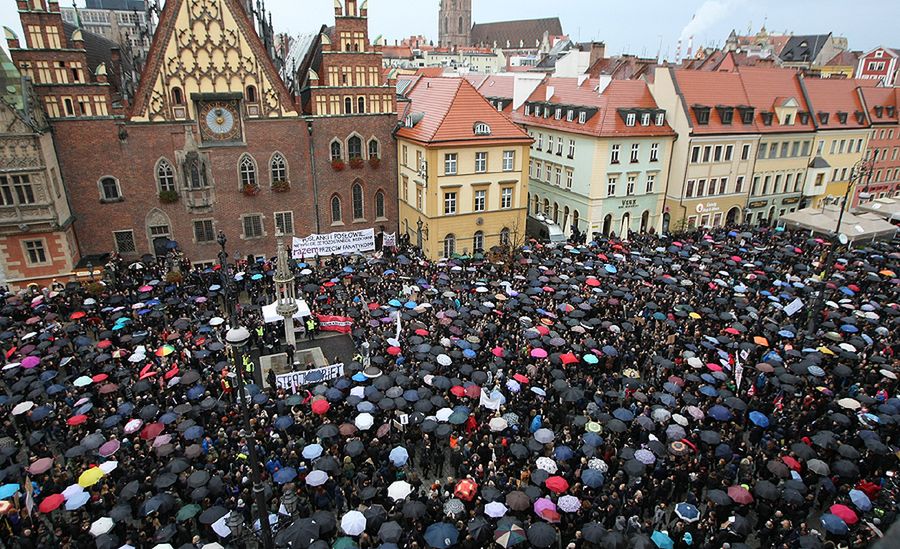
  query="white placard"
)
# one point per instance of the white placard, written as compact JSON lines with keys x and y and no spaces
{"x":793,"y":307}
{"x":390,"y":240}
{"x":334,"y":243}
{"x":291,"y":381}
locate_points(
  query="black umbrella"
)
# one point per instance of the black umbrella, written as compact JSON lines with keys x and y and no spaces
{"x":213,"y":514}
{"x":541,"y":534}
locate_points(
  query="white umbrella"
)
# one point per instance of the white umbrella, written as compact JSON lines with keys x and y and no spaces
{"x":849,"y":403}
{"x":399,"y":490}
{"x":544,"y":436}
{"x":316,"y":478}
{"x":498,"y":424}
{"x":364,"y":421}
{"x":22,"y":407}
{"x":353,"y":523}
{"x":108,"y":466}
{"x":680,"y":419}
{"x":444,"y":360}
{"x":163,"y":546}
{"x":598,"y":464}
{"x":101,"y":526}
{"x":72,"y":491}
{"x":546,"y":464}
{"x":213,"y":545}
{"x":216,"y":321}
{"x":495,"y":509}
{"x":443,"y":414}
{"x":569,"y":504}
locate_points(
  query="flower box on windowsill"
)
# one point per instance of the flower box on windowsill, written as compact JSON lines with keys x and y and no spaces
{"x":375,"y":162}
{"x":338,"y":165}
{"x":168,"y":197}
{"x":250,"y":190}
{"x":281,"y":186}
{"x":356,"y":163}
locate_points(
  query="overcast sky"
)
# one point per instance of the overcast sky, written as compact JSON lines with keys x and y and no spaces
{"x":634,"y":26}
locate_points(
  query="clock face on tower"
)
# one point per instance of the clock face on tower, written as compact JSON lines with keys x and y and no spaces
{"x":220,"y":121}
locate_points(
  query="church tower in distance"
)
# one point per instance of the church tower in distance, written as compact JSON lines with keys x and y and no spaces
{"x":455,"y":23}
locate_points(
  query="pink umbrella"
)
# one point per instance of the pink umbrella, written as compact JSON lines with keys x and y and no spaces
{"x":109,"y":448}
{"x":30,"y":362}
{"x":498,"y":352}
{"x":161,"y":440}
{"x":546,"y":509}
{"x":145,"y":289}
{"x":40,"y":466}
{"x":539,"y":353}
{"x":133,"y":426}
{"x":845,"y":513}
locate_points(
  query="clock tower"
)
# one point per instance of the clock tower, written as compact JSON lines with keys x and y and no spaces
{"x":455,"y":23}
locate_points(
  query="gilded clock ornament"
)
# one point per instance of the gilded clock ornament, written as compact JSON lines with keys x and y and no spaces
{"x":220,"y":121}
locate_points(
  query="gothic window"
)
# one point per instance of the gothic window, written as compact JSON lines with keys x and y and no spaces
{"x":336,"y":216}
{"x":251,"y":94}
{"x":165,"y":176}
{"x":278,"y":168}
{"x":247,"y":169}
{"x":177,"y":96}
{"x":461,"y":25}
{"x":373,"y":148}
{"x":361,"y":105}
{"x":354,"y":147}
{"x":109,"y":190}
{"x":379,"y":204}
{"x":357,"y":201}
{"x":335,"y":151}
{"x":194,"y":172}
{"x":348,"y":105}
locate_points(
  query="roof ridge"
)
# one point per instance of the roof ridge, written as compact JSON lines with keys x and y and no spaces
{"x":459,"y":84}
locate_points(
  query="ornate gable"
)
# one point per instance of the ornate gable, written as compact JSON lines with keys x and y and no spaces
{"x":208,"y":47}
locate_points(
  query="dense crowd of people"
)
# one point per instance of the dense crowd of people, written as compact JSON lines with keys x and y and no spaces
{"x":655,"y":392}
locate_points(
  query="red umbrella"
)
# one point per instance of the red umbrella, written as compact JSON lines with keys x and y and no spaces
{"x":422,"y":332}
{"x":557,"y":484}
{"x":473,"y":391}
{"x":465,"y":489}
{"x":173,"y":371}
{"x":99,"y":377}
{"x":520,"y":378}
{"x":845,"y":513}
{"x":104,"y":344}
{"x":77,"y":315}
{"x":320,"y":406}
{"x":152,"y":431}
{"x":568,"y":358}
{"x":51,"y":503}
{"x":458,"y":390}
{"x":740,"y":495}
{"x":76,"y":420}
{"x":108,"y":388}
{"x":792,"y":463}
{"x":393,"y":351}
{"x":498,"y":352}
{"x":592,"y":282}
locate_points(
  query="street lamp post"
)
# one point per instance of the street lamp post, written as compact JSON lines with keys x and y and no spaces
{"x":860,"y":170}
{"x":237,"y":337}
{"x":223,"y":273}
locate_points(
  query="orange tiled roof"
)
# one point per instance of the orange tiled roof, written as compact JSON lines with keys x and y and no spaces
{"x":882,"y":97}
{"x":498,"y":86}
{"x":449,"y":109}
{"x":430,"y":72}
{"x":832,"y":96}
{"x":710,"y":89}
{"x":767,"y":88}
{"x":619,"y":94}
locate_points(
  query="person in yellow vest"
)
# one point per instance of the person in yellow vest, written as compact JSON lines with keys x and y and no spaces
{"x":310,"y":328}
{"x":248,"y":369}
{"x":226,"y":384}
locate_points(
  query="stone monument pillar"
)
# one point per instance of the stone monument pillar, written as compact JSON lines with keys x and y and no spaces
{"x":284,"y":288}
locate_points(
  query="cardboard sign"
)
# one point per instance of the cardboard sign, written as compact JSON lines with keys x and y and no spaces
{"x":294,"y":380}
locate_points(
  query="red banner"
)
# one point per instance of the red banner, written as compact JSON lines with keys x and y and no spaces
{"x":340,"y":324}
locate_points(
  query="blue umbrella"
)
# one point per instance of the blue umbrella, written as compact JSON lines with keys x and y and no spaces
{"x":786,"y":333}
{"x":395,"y":303}
{"x":77,"y":501}
{"x":469,"y":353}
{"x":193,"y":433}
{"x":847,"y":291}
{"x":709,"y":391}
{"x":410,"y":305}
{"x":399,"y":456}
{"x":623,"y":414}
{"x":563,"y":453}
{"x":283,"y":476}
{"x":592,"y":478}
{"x":7,"y":490}
{"x":312,"y":451}
{"x":441,"y":535}
{"x":849,"y":328}
{"x":609,"y":350}
{"x":860,"y":500}
{"x":257,"y":276}
{"x":611,"y":269}
{"x":687,"y":512}
{"x":195,"y":392}
{"x":365,"y":406}
{"x":165,"y":419}
{"x":759,"y":418}
{"x":592,"y":439}
{"x":724,"y":451}
{"x":834,"y":525}
{"x":283,"y":422}
{"x":719,"y":413}
{"x":411,"y":395}
{"x":661,"y":540}
{"x":359,"y":377}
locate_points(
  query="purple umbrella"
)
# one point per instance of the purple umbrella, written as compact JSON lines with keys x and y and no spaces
{"x":109,"y":448}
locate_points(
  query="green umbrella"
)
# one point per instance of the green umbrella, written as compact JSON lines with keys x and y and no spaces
{"x":188,"y":512}
{"x":344,"y":543}
{"x":509,"y":534}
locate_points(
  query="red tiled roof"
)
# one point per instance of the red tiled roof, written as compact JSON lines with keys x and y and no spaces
{"x":451,"y":108}
{"x":498,"y":86}
{"x":844,"y":59}
{"x":430,"y":72}
{"x":832,"y":95}
{"x":767,"y":88}
{"x":882,"y":97}
{"x":619,"y":94}
{"x":710,"y":89}
{"x":396,"y":51}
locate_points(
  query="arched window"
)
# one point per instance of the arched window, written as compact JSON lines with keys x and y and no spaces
{"x":504,"y":237}
{"x":165,"y":176}
{"x":109,"y":189}
{"x":446,"y":25}
{"x":177,"y":96}
{"x":348,"y":106}
{"x":556,"y":213}
{"x":449,"y":245}
{"x":354,"y":148}
{"x":575,"y":218}
{"x":360,"y":104}
{"x":537,"y":205}
{"x":357,"y":201}
{"x":247,"y":169}
{"x":278,"y":168}
{"x":336,"y":216}
{"x":373,"y":148}
{"x":478,"y":242}
{"x":461,"y":25}
{"x":251,"y":94}
{"x":379,"y":204}
{"x":335,"y":150}
{"x":195,"y":171}
{"x":565,"y":218}
{"x":546,"y":207}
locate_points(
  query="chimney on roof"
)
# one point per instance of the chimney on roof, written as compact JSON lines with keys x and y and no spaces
{"x":678,"y":52}
{"x":690,"y":49}
{"x":598,"y":51}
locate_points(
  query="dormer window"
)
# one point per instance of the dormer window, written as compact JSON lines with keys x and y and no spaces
{"x":891,"y":111}
{"x":702,"y":115}
{"x":537,"y":110}
{"x":879,"y":111}
{"x":726,"y":114}
{"x":558,"y":113}
{"x":546,"y":112}
{"x":823,"y":117}
{"x":645,"y":119}
{"x":860,"y":117}
{"x":482,"y":129}
{"x":527,"y":110}
{"x":582,"y":117}
{"x":842,"y":117}
{"x":746,"y":114}
{"x":788,"y":120}
{"x":804,"y":117}
{"x":570,"y":115}
{"x":408,"y":122}
{"x":767,"y":118}
{"x":629,"y":119}
{"x":660,"y":118}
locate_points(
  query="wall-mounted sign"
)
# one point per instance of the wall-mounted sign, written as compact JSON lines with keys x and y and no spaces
{"x":709,"y":207}
{"x":758,"y":204}
{"x":628,"y":204}
{"x":791,"y":200}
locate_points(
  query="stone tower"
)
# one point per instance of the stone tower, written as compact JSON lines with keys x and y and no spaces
{"x":455,"y":23}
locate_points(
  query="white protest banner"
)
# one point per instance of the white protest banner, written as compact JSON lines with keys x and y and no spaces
{"x":738,"y":372}
{"x":291,"y":381}
{"x":390,"y":240}
{"x":488,"y":402}
{"x":334,"y":243}
{"x":793,"y":307}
